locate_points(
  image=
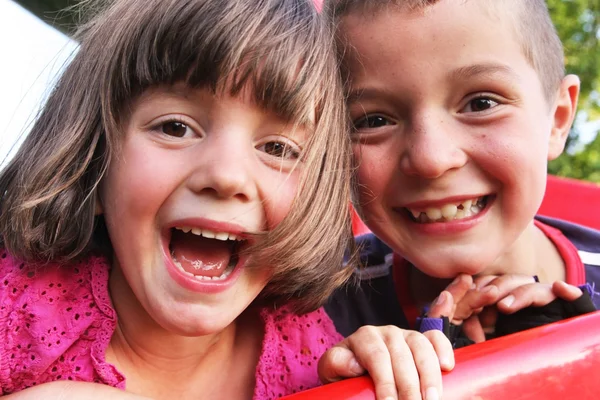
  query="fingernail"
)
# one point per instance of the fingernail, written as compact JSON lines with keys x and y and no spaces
{"x":445,"y":363}
{"x":508,"y":300}
{"x":355,"y":367}
{"x":431,"y":394}
{"x":441,"y":299}
{"x":455,"y":281}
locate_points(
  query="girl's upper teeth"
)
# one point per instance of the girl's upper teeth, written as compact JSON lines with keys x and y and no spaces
{"x":208,"y":233}
{"x":449,"y":211}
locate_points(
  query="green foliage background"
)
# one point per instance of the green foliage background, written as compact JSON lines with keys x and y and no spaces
{"x":578,"y":25}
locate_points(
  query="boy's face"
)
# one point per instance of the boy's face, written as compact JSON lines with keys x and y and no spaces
{"x":452,"y":134}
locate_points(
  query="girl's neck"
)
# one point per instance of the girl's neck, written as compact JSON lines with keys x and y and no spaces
{"x":161,"y":364}
{"x":533,"y":253}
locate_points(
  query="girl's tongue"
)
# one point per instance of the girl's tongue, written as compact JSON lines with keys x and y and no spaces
{"x":201,"y":256}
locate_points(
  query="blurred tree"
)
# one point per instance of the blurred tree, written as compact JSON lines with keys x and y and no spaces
{"x":577,"y":23}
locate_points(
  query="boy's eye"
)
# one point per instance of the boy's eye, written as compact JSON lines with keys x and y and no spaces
{"x":371,"y":122}
{"x":280,"y":150}
{"x":480,"y":104}
{"x":174,"y":128}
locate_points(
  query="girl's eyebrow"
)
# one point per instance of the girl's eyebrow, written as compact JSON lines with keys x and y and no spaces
{"x":177,"y":91}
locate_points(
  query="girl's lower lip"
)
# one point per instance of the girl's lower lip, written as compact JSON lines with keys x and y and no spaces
{"x":449,"y":227}
{"x":203,"y":286}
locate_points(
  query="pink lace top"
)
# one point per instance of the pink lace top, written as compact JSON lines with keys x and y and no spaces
{"x":56,"y":323}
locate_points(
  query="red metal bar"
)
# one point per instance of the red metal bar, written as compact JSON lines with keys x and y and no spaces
{"x":560,"y":361}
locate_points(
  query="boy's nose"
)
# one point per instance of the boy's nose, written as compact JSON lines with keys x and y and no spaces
{"x":432,"y":149}
{"x":224,"y":169}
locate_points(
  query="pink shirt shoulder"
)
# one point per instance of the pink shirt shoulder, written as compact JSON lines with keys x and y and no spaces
{"x":56,"y":322}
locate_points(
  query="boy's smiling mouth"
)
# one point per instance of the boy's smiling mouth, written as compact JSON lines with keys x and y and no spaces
{"x":204,"y":254}
{"x":450,"y":211}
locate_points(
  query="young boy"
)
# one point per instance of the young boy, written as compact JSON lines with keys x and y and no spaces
{"x":456,"y":107}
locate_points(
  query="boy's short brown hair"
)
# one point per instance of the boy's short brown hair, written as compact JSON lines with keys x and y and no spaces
{"x":530,"y":20}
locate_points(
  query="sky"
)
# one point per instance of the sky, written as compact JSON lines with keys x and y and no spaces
{"x":33,"y":54}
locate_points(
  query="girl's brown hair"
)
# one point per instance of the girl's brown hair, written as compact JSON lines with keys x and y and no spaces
{"x":281,"y":49}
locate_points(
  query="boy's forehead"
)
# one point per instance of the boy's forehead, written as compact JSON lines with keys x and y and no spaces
{"x":454,"y":42}
{"x":444,"y":21}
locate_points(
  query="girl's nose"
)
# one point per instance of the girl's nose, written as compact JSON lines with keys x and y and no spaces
{"x":225,"y":168}
{"x":433,"y":147}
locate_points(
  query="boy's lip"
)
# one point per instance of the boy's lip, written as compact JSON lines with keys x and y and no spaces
{"x":451,"y":227}
{"x":421,"y":205}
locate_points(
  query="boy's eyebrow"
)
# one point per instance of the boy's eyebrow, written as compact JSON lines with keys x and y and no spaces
{"x":470,"y":71}
{"x":361,"y":93}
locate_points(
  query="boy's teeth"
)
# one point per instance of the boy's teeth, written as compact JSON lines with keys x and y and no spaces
{"x":434,"y":213}
{"x":449,"y":212}
{"x":207,"y":233}
{"x":415,"y":214}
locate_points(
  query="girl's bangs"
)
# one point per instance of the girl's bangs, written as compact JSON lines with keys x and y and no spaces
{"x":227,"y":49}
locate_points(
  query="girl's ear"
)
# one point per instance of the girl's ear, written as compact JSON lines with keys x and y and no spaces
{"x":564,"y":114}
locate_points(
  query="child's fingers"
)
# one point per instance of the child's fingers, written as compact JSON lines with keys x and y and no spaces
{"x":370,"y":347}
{"x":474,"y":301}
{"x":473,"y":329}
{"x":487,"y":318}
{"x":506,"y":284}
{"x":422,"y":354}
{"x":442,"y":347}
{"x":565,"y":291}
{"x":444,"y":304}
{"x":460,"y":286}
{"x":338,"y":363}
{"x":483,"y":280}
{"x":534,"y":294}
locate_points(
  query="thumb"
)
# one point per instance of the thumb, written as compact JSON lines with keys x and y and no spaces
{"x":442,"y":306}
{"x":338,"y":363}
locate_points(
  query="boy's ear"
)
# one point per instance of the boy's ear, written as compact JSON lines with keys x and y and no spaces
{"x":564,"y":114}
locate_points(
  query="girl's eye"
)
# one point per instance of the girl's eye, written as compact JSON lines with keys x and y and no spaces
{"x":371,"y":122}
{"x":480,"y":104}
{"x":280,"y":150}
{"x":174,"y":128}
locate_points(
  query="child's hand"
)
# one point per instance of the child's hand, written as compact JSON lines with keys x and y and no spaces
{"x":464,"y":302}
{"x":469,"y":302}
{"x":404,"y":364}
{"x":537,"y":295}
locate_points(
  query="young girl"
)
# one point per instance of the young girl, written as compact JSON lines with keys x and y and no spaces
{"x":186,"y":179}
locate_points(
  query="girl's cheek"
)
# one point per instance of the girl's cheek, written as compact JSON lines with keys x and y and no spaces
{"x":279,"y":202}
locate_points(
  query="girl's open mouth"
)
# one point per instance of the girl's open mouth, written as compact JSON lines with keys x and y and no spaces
{"x":203,"y":254}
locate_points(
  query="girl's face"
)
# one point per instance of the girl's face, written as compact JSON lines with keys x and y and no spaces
{"x":195,"y":172}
